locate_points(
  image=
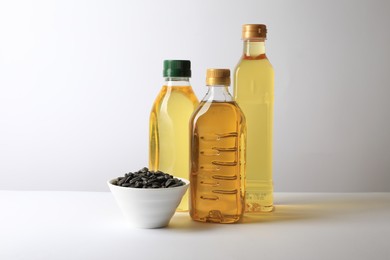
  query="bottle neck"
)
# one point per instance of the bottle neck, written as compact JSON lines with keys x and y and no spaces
{"x":218,"y":93}
{"x":254,"y":47}
{"x":177,"y":81}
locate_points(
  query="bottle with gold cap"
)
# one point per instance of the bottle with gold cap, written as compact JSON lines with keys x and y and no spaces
{"x":217,"y":143}
{"x":254,"y":92}
{"x":169,"y":123}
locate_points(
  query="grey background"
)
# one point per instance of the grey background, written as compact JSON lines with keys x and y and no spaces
{"x":78,"y":78}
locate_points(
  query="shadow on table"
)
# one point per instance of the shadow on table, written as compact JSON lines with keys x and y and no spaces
{"x":183,"y":221}
{"x":283,"y":213}
{"x":319,"y":206}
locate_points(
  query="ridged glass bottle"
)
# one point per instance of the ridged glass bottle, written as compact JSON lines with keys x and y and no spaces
{"x":169,"y":123}
{"x":254,"y":92}
{"x":218,"y":140}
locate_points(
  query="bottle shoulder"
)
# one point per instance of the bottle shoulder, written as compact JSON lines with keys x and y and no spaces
{"x":176,"y":93}
{"x":253,"y":63}
{"x":218,"y":118}
{"x":229,"y":108}
{"x":173,"y":100}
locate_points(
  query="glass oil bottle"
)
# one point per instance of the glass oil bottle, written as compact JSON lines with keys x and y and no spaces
{"x":169,"y":123}
{"x":218,"y":140}
{"x":254,"y":92}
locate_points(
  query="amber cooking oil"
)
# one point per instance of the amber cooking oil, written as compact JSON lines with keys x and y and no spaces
{"x":254,"y":92}
{"x":217,"y":154}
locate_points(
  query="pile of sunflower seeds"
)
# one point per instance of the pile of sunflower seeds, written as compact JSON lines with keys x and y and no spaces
{"x":148,"y":180}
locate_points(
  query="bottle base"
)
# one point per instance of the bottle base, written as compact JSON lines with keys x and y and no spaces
{"x":215,"y":216}
{"x":256,"y":207}
{"x":259,"y":197}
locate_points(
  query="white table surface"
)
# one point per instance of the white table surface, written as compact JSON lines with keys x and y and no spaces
{"x":89,"y":225}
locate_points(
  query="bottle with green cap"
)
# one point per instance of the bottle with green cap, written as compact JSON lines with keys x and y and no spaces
{"x":169,"y":123}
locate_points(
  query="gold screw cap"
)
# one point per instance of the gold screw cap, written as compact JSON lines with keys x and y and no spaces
{"x":218,"y":77}
{"x":253,"y":31}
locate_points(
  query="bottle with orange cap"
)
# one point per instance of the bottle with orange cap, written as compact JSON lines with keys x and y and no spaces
{"x":254,"y":92}
{"x":217,"y":146}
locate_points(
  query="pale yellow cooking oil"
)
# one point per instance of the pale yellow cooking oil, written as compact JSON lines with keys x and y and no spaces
{"x":169,"y":128}
{"x":254,"y":93}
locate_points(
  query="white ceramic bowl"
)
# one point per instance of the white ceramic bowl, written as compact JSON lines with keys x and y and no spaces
{"x":148,"y":208}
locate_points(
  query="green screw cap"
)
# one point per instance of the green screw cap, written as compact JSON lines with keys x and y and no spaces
{"x":177,"y":68}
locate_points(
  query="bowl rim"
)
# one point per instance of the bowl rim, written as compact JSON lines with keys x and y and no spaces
{"x":187,"y":183}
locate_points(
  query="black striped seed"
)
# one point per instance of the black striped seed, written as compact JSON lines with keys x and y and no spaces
{"x":148,"y":179}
